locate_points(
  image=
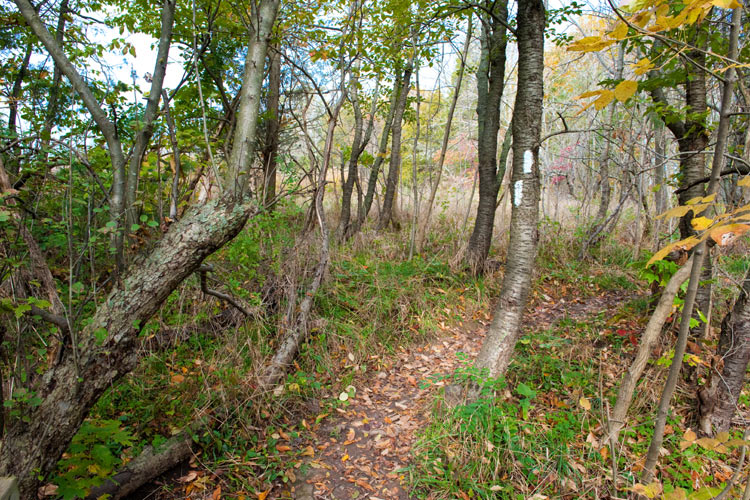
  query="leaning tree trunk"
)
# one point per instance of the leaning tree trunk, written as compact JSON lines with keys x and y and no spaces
{"x":504,"y":330}
{"x":108,"y":346}
{"x":718,"y":400}
{"x":722,"y":133}
{"x":394,"y":169}
{"x":490,"y":83}
{"x":69,"y":389}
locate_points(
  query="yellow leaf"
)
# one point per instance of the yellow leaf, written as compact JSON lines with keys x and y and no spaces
{"x":308,"y":452}
{"x":722,"y":437}
{"x":620,"y":31}
{"x":345,"y":458}
{"x":585,"y":404}
{"x":590,"y":93}
{"x":678,"y":211}
{"x":676,"y":494}
{"x":744,"y":182}
{"x":685,"y":244}
{"x":604,"y":99}
{"x":726,"y":4}
{"x":701,"y":199}
{"x":262,"y":495}
{"x":589,"y":44}
{"x":689,"y":435}
{"x":178,"y":379}
{"x":643,"y":66}
{"x":625,"y":90}
{"x":724,"y":235}
{"x":701,"y":223}
{"x":650,"y":490}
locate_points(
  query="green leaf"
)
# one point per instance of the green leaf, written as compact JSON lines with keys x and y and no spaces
{"x":525,"y":390}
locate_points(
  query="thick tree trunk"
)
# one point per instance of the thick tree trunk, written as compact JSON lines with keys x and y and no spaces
{"x":505,"y":328}
{"x":394,"y":169}
{"x":273,"y":128}
{"x":68,"y":390}
{"x":490,"y":86}
{"x":718,"y":400}
{"x":107,"y":346}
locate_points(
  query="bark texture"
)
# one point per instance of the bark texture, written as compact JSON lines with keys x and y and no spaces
{"x":69,"y":389}
{"x":394,"y":169}
{"x":718,"y":400}
{"x":504,"y":330}
{"x":490,"y":86}
{"x":273,"y":128}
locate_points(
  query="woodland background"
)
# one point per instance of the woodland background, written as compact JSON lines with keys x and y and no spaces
{"x":381,"y":249}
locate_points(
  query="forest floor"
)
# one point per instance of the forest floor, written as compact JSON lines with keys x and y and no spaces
{"x":363,"y":451}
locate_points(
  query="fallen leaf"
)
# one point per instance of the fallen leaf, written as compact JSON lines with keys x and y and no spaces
{"x":262,"y":495}
{"x":189,"y":477}
{"x":585,"y":404}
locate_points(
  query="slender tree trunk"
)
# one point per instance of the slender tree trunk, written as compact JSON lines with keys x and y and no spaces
{"x":660,"y":178}
{"x":414,"y":170}
{"x":372,"y":182}
{"x":497,"y":349}
{"x":490,"y":83}
{"x":15,"y":96}
{"x":176,"y":158}
{"x":698,"y":254}
{"x":54,"y":94}
{"x":143,"y":137}
{"x":360,"y":141}
{"x":425,"y":226}
{"x":645,"y":346}
{"x":394,"y":169}
{"x":271,"y":146}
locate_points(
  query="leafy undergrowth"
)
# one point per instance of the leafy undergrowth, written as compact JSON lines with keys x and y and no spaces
{"x":538,"y":433}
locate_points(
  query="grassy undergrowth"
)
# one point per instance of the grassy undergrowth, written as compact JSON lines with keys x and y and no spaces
{"x":201,"y":363}
{"x":538,"y":432}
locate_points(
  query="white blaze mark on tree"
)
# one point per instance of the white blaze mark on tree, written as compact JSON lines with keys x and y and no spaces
{"x":517,"y":192}
{"x":528,"y":161}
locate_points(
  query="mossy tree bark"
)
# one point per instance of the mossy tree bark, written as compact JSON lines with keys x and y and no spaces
{"x":107,"y":346}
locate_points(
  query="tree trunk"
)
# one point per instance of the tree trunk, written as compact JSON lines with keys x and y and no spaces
{"x":695,"y":273}
{"x":648,"y":339}
{"x":718,"y":400}
{"x":372,"y":182}
{"x":107,"y":346}
{"x":490,"y":86}
{"x":394,"y":169}
{"x":425,"y":226}
{"x":504,"y":330}
{"x":143,"y":137}
{"x":54,"y":92}
{"x":271,"y":146}
{"x":361,"y":138}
